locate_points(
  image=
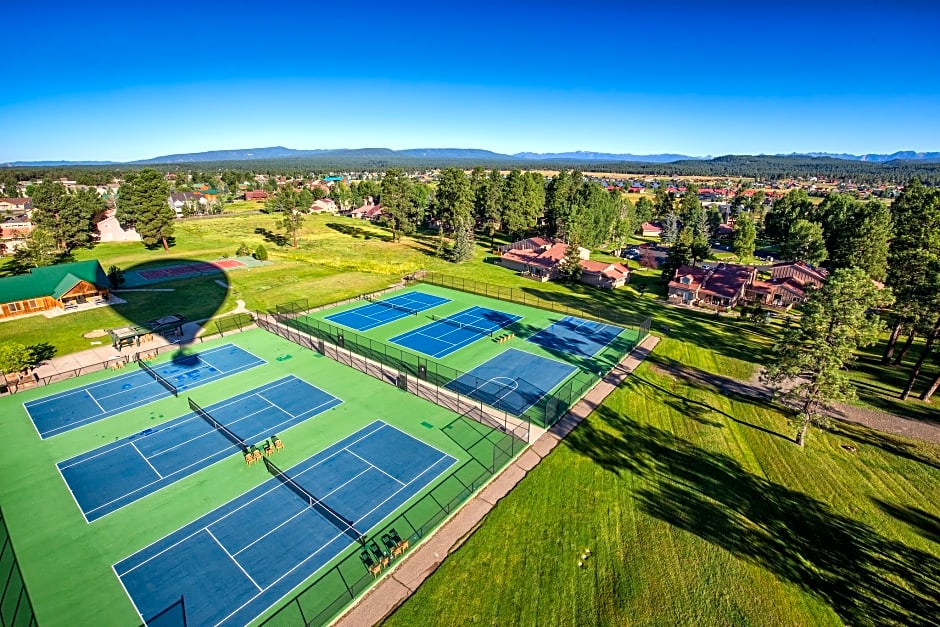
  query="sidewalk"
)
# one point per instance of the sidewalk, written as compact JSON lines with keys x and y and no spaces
{"x":401,"y":582}
{"x":58,"y":367}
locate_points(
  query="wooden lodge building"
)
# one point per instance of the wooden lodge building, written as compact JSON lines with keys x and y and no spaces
{"x":63,"y":286}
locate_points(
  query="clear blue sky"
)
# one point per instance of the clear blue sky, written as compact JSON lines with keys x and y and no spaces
{"x":95,"y":81}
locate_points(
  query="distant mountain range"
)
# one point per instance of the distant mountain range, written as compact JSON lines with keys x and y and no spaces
{"x":463,"y":154}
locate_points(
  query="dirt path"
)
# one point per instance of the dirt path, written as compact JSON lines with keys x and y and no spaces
{"x":874,"y":419}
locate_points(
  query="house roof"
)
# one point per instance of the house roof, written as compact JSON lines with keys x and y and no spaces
{"x":547,"y":257}
{"x":650,"y":227}
{"x":610,"y":270}
{"x":15,"y":201}
{"x":821,"y":274}
{"x":52,"y":281}
{"x":694,"y":274}
{"x":727,"y":280}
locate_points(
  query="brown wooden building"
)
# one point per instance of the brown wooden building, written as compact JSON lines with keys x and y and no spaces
{"x":61,"y":286}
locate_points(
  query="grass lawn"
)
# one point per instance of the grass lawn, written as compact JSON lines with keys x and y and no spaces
{"x":699,"y":509}
{"x":697,"y":506}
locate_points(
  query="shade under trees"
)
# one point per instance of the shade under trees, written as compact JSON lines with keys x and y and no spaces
{"x":811,"y":357}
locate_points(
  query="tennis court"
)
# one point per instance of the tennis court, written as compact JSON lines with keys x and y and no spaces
{"x":576,"y":336}
{"x":80,"y":406}
{"x":512,"y":381}
{"x":381,"y":312}
{"x":446,"y":335}
{"x":117,"y":474}
{"x":231,"y":565}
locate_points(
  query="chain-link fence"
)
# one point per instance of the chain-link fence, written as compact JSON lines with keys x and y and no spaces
{"x":322,"y":600}
{"x":15,"y":607}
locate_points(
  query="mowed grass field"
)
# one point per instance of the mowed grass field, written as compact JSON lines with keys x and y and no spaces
{"x":697,"y":506}
{"x":698,"y":509}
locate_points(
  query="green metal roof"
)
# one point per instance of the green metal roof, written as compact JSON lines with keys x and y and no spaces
{"x":52,"y":281}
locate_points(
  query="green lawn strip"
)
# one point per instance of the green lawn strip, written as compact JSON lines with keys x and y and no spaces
{"x":63,"y":548}
{"x":711,"y":521}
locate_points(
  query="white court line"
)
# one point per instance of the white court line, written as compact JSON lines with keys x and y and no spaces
{"x":69,"y":488}
{"x":95,"y":418}
{"x":333,"y":539}
{"x":303,"y":511}
{"x":353,"y":453}
{"x":144,"y":457}
{"x":234,"y":561}
{"x":95,"y":400}
{"x":114,"y":569}
{"x":181,"y":469}
{"x":260,"y":496}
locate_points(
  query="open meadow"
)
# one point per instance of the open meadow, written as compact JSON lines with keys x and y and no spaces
{"x":695,"y":503}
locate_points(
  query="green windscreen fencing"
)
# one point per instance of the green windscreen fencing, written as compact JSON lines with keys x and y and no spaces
{"x":15,"y":607}
{"x":321,"y":601}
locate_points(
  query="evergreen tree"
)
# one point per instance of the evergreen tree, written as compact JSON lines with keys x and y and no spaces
{"x":398,"y":202}
{"x":454,"y":202}
{"x":490,"y":207}
{"x":570,"y":270}
{"x":290,"y":204}
{"x":680,"y":254}
{"x":143,"y":202}
{"x":804,"y":243}
{"x":463,"y":241}
{"x":670,"y":228}
{"x":785,"y":212}
{"x":745,"y":236}
{"x":837,"y":319}
{"x":514,"y":213}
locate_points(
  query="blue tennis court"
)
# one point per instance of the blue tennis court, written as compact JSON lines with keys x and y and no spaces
{"x":443,"y":337}
{"x":576,"y":336}
{"x":387,"y":310}
{"x":77,"y":407}
{"x":512,"y":381}
{"x":119,"y":473}
{"x":235,"y":562}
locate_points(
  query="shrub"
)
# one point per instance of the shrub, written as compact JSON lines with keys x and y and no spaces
{"x":261,"y":253}
{"x":242,"y":250}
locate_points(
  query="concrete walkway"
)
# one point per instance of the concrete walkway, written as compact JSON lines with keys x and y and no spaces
{"x":403,"y":579}
{"x":64,"y":366}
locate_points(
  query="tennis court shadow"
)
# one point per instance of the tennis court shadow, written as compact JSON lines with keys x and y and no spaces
{"x":864,"y":576}
{"x":167,"y":300}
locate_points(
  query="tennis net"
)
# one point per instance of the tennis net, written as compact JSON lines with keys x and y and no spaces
{"x":153,"y":373}
{"x":461,"y":325}
{"x":391,"y":305}
{"x":331,"y":515}
{"x":234,"y":439}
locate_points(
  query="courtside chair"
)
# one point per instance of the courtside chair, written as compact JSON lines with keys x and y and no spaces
{"x":278,"y":445}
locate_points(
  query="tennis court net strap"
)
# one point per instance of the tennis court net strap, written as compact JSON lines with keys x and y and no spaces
{"x":153,"y":373}
{"x":202,"y":413}
{"x":331,"y":515}
{"x":461,"y":325}
{"x":385,"y":303}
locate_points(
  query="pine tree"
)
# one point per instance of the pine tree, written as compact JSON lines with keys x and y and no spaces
{"x":837,"y":319}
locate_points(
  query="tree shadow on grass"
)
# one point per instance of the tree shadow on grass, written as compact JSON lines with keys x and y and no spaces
{"x":271,"y":237}
{"x":859,"y":434}
{"x":925,"y":523}
{"x":700,"y":411}
{"x":866,"y":578}
{"x":358,"y":232}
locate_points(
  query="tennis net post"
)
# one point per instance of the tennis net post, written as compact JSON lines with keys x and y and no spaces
{"x":153,"y":373}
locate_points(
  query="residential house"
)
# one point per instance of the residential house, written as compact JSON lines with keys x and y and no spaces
{"x":721,"y":287}
{"x":63,"y":286}
{"x":788,"y":284}
{"x":18,"y":205}
{"x":179,"y":200}
{"x":684,"y":287}
{"x":324,"y":205}
{"x":536,"y":257}
{"x":110,"y":230}
{"x":803,"y":272}
{"x":603,"y":274}
{"x":368,"y":211}
{"x":13,"y":234}
{"x":650,"y":230}
{"x":256,"y":194}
